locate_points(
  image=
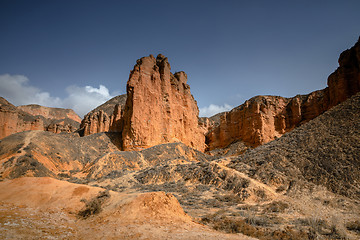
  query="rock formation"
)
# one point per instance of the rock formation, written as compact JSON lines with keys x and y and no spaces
{"x":13,"y":120}
{"x":264,"y":118}
{"x":33,"y":117}
{"x":51,"y":113}
{"x":106,"y":117}
{"x":312,"y":171}
{"x":345,"y":81}
{"x":159,"y":108}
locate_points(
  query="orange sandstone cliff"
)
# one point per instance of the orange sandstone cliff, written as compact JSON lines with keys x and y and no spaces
{"x":51,"y":113}
{"x":34,"y":117}
{"x":105,"y":118}
{"x":159,"y":107}
{"x":264,"y":118}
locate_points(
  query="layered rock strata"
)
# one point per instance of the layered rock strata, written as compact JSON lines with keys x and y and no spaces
{"x":50,"y":113}
{"x":33,"y":117}
{"x":159,"y":107}
{"x":106,"y":117}
{"x":264,"y":118}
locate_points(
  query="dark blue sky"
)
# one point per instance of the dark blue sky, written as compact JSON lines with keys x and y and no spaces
{"x":231,"y":50}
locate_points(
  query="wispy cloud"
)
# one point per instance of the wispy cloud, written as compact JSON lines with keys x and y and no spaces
{"x":83,"y":99}
{"x":213,"y":109}
{"x":18,"y":90}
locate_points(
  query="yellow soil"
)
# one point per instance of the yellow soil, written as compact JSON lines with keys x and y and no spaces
{"x":33,"y":208}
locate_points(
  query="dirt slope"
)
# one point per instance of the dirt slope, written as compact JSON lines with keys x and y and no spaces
{"x":41,"y":154}
{"x":127,"y":216}
{"x":304,"y":185}
{"x":325,"y":151}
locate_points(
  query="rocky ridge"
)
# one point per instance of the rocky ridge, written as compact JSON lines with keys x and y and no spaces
{"x":265,"y":118}
{"x":302,"y":185}
{"x":105,"y":118}
{"x":34,"y":117}
{"x":259,"y":190}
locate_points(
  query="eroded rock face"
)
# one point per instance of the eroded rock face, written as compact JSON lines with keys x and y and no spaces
{"x":51,"y":113}
{"x":95,"y":122}
{"x":106,"y":117}
{"x":159,"y":108}
{"x":345,"y":81}
{"x":264,"y":118}
{"x":17,"y":119}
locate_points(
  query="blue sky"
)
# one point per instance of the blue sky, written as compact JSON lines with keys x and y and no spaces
{"x":78,"y":54}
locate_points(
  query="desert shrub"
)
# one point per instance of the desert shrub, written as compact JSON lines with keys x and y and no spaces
{"x":287,"y":234}
{"x":260,"y":193}
{"x":93,"y":206}
{"x":63,"y":175}
{"x":233,"y":225}
{"x":281,"y":188}
{"x":354,"y":226}
{"x":78,"y":180}
{"x":258,"y":221}
{"x":320,"y":229}
{"x":202,"y":188}
{"x":229,"y":198}
{"x":276,"y":206}
{"x":214,"y":203}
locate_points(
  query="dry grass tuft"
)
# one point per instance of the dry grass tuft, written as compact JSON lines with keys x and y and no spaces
{"x":93,"y":206}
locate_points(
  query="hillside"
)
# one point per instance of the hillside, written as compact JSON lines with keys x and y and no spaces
{"x":34,"y":117}
{"x":325,"y":151}
{"x":262,"y":119}
{"x":49,"y":208}
{"x":300,"y":182}
{"x":260,"y":193}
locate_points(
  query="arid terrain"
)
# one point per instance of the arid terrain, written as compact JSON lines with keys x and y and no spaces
{"x":145,"y":166}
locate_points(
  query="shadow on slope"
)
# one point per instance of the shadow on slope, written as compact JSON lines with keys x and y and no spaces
{"x":324,"y":151}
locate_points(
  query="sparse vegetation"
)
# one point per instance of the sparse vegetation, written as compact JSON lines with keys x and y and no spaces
{"x":93,"y":206}
{"x":229,"y":225}
{"x":354,"y":226}
{"x":276,"y":206}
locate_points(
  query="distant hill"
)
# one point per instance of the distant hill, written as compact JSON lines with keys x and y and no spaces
{"x":34,"y":117}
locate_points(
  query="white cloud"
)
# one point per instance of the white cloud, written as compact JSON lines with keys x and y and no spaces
{"x":17,"y":90}
{"x":213,"y":109}
{"x":83,"y":99}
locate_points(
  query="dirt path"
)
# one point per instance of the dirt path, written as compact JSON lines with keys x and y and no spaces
{"x":27,"y":141}
{"x":9,"y":162}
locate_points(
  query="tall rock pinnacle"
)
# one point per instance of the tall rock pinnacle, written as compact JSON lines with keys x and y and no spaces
{"x":159,"y":107}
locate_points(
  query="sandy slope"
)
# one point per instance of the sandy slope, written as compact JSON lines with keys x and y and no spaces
{"x":45,"y":207}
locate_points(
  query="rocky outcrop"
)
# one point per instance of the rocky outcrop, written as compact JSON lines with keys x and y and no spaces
{"x":324,"y":151}
{"x":159,"y":107}
{"x":264,"y":118}
{"x":106,"y":117}
{"x":17,"y":119}
{"x":345,"y":81}
{"x":13,"y":120}
{"x":51,"y":113}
